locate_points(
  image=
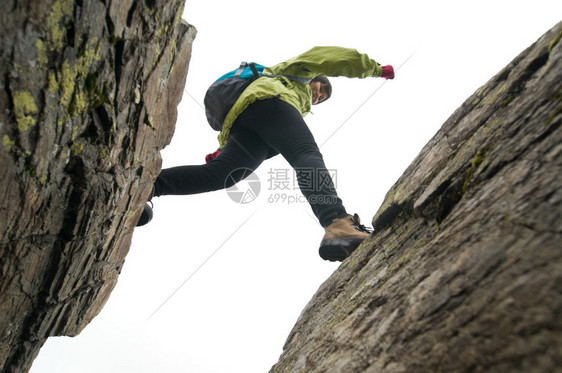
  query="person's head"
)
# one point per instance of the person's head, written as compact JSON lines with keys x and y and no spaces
{"x":321,"y":89}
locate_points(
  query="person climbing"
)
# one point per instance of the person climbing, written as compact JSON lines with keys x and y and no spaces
{"x":267,"y":120}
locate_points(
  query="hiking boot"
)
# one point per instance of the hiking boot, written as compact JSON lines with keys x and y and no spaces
{"x":342,"y":237}
{"x":146,"y":215}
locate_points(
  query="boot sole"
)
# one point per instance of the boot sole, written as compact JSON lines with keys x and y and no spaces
{"x":146,"y":216}
{"x":337,"y":249}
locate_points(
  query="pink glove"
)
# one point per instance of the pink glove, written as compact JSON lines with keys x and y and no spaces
{"x":210,"y":157}
{"x":387,"y":72}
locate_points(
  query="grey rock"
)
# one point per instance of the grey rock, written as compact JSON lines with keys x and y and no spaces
{"x":464,"y":270}
{"x":88,"y":99}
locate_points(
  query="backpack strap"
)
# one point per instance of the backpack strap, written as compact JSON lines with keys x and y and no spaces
{"x":252,"y":66}
{"x":290,"y":77}
{"x":254,"y":70}
{"x":238,"y":72}
{"x":243,"y":66}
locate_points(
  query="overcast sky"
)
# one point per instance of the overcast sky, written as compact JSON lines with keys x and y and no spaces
{"x":211,"y":285}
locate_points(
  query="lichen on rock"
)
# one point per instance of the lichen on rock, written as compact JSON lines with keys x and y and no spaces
{"x":77,"y":156}
{"x":463,"y":270}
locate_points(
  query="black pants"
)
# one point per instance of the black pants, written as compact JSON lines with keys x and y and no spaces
{"x":266,"y":128}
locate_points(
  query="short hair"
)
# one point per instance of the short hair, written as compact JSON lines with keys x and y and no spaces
{"x":325,"y":83}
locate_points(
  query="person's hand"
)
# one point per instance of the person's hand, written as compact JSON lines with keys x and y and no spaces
{"x":210,"y":157}
{"x":387,"y":72}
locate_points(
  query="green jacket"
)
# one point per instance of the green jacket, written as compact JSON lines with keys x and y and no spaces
{"x":327,"y":61}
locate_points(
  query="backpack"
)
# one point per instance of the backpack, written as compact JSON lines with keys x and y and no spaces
{"x":224,"y":92}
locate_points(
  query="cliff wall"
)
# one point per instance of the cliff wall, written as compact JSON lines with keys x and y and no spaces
{"x":464,"y":270}
{"x":88,"y":96}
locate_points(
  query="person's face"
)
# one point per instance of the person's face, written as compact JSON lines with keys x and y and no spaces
{"x":318,"y":93}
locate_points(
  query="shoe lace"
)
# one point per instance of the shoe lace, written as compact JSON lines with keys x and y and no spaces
{"x":360,"y":227}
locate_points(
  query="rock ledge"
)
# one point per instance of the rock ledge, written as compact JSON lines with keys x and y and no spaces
{"x":88,"y":99}
{"x":464,"y":272}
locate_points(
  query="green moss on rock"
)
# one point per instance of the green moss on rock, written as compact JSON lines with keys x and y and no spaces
{"x":25,"y":110}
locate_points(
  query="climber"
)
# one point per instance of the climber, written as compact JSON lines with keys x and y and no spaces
{"x":267,"y":120}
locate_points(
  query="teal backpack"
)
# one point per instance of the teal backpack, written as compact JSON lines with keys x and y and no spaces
{"x":224,"y":92}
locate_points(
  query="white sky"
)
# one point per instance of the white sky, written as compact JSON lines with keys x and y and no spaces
{"x":235,"y":312}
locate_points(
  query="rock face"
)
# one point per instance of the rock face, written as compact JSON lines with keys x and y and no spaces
{"x":464,"y":272}
{"x":88,"y":98}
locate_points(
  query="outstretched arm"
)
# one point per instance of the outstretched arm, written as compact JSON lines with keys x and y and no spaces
{"x":332,"y":61}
